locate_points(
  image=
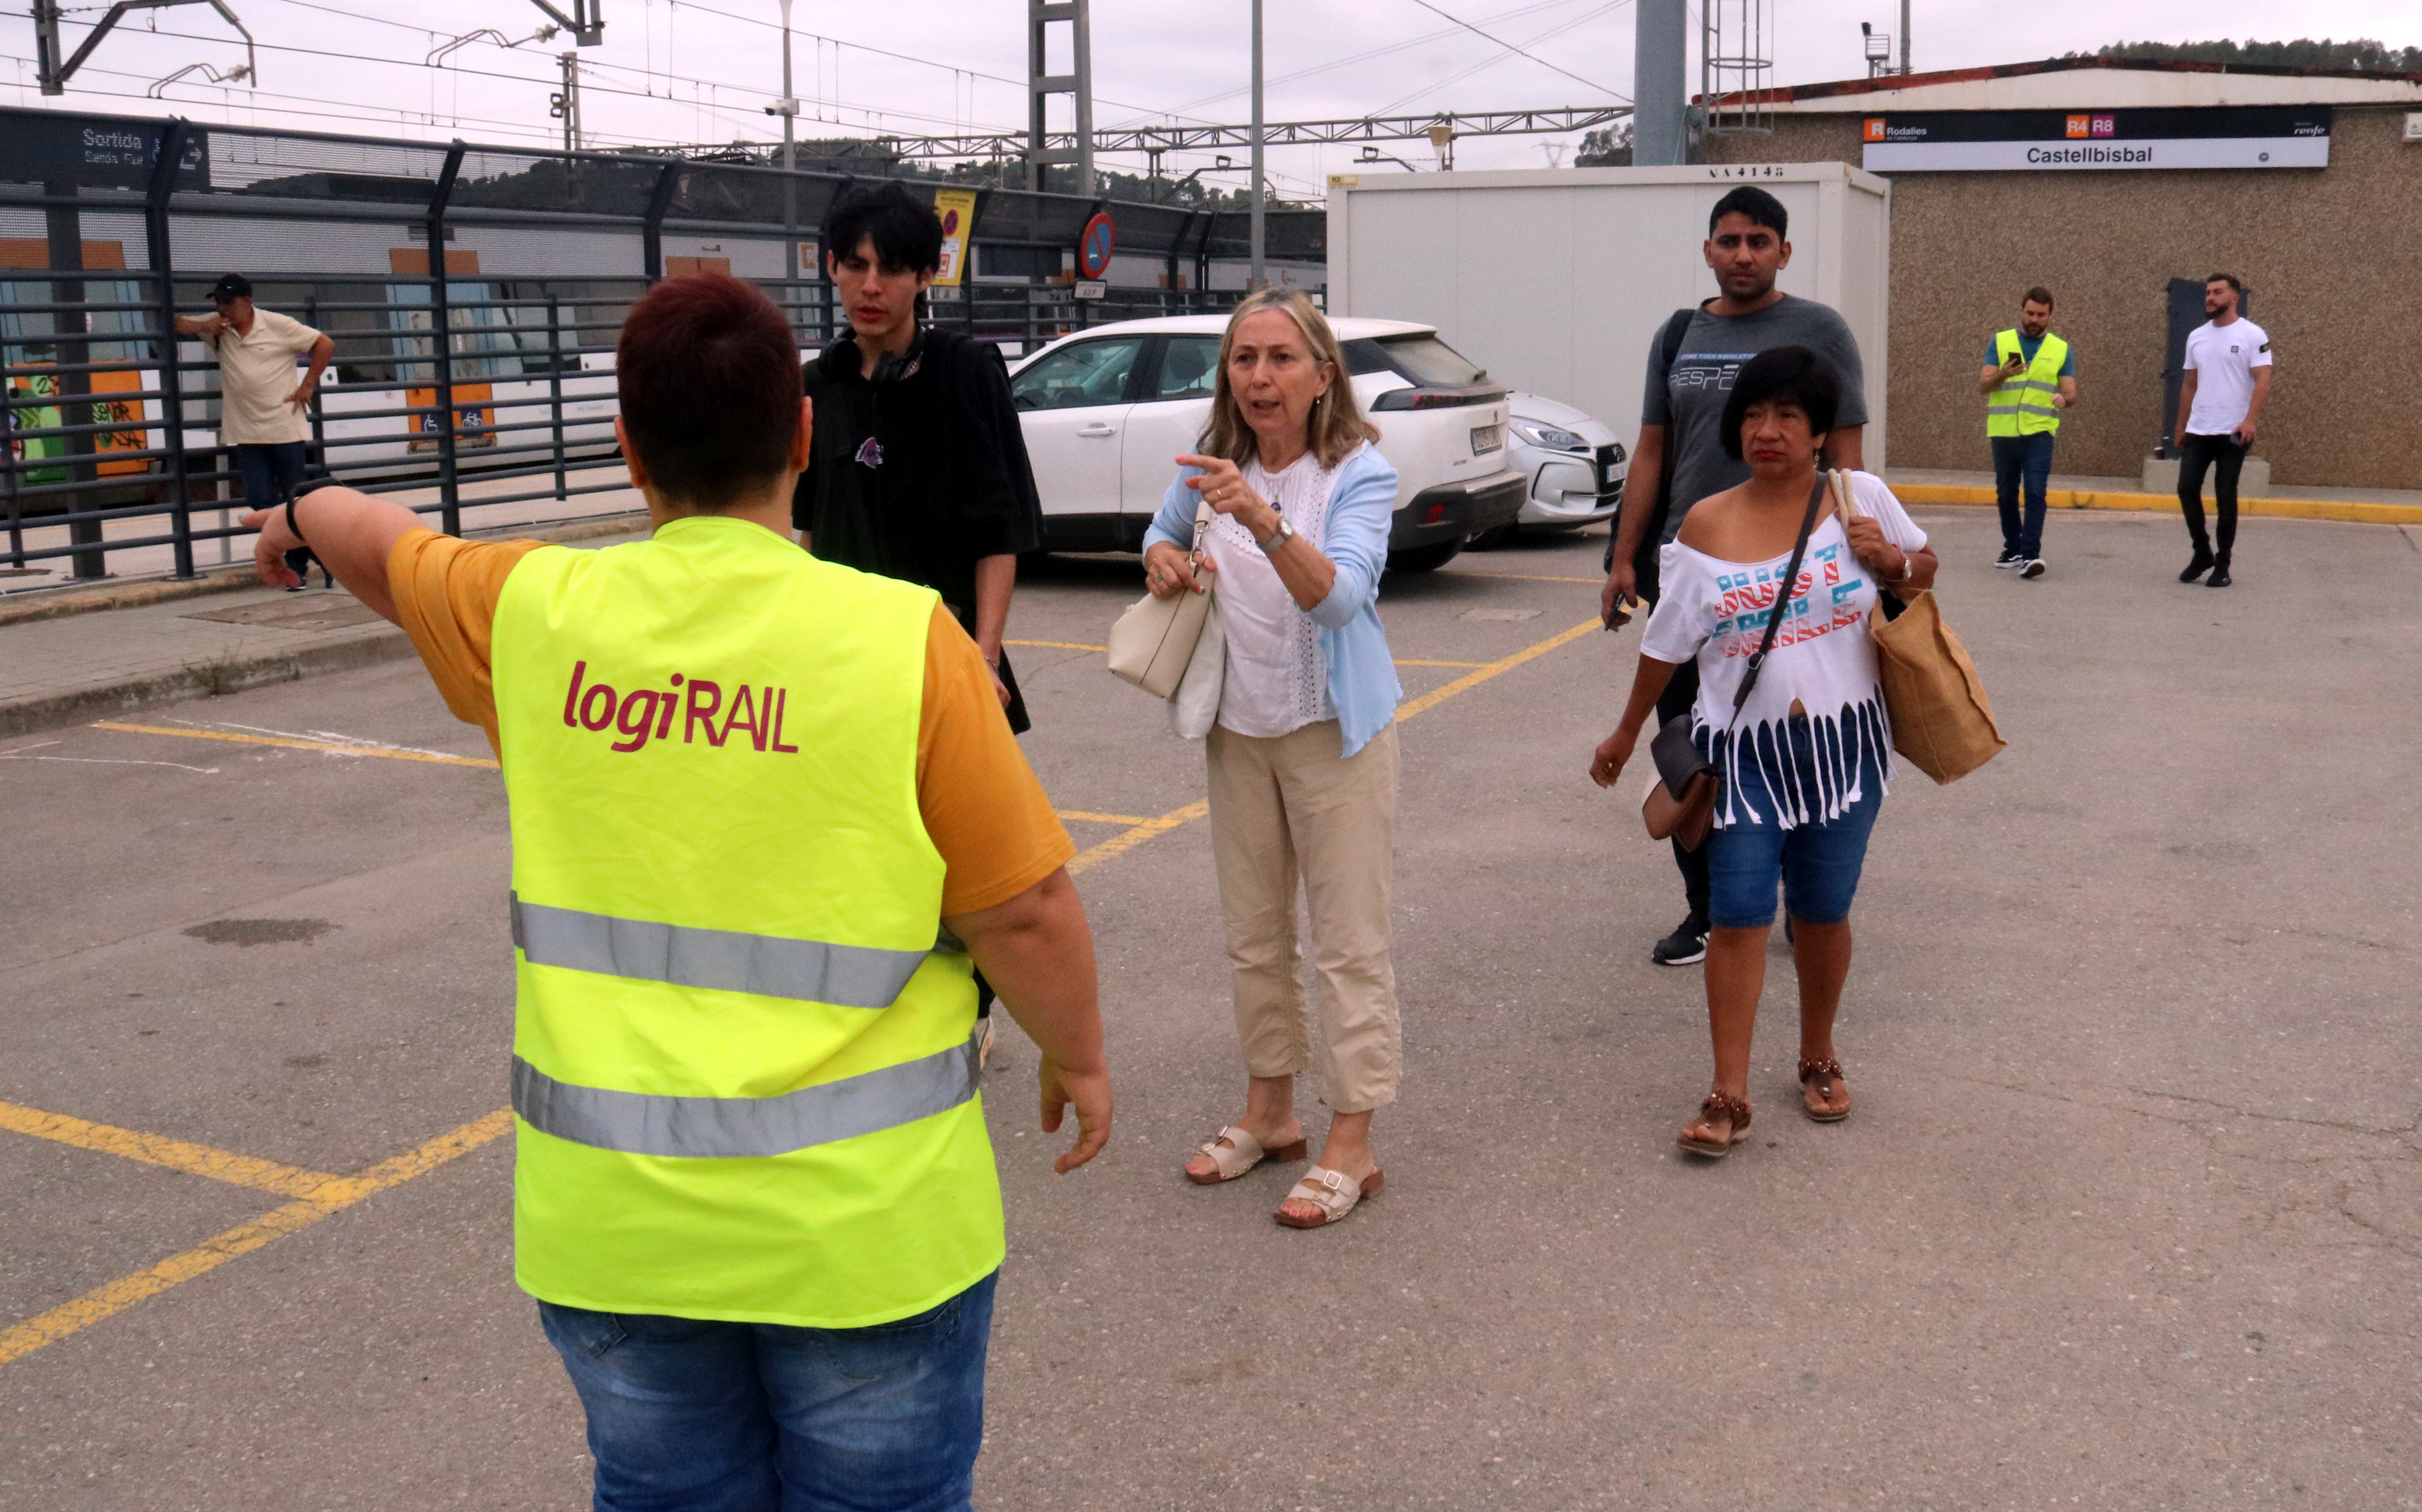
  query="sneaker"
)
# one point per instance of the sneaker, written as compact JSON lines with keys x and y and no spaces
{"x":1686,"y":945}
{"x":2035,"y":568}
{"x":2220,"y":578}
{"x":2009,"y":558}
{"x":2196,"y":568}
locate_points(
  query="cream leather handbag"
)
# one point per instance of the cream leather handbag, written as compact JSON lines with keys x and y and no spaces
{"x":1153,"y":642}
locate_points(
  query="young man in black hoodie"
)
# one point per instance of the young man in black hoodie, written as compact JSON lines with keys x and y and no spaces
{"x":918,"y":468}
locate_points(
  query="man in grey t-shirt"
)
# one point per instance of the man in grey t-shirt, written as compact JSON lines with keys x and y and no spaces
{"x":1682,"y":410}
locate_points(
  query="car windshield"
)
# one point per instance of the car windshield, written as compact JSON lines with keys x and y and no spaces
{"x":1429,"y":361}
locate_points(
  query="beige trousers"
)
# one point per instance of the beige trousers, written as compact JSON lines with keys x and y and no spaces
{"x":1291,"y":809}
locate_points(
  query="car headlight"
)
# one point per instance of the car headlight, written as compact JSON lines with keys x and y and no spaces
{"x":1552,"y":437}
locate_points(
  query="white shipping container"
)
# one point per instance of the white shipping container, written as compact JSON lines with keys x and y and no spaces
{"x":1557,"y":280}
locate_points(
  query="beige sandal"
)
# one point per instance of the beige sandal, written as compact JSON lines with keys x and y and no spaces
{"x":1239,"y":1154}
{"x":1334,"y":1192}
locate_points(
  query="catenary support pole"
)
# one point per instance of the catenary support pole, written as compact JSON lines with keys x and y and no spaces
{"x":1259,"y":275}
{"x":1904,"y":36}
{"x":1659,"y":57}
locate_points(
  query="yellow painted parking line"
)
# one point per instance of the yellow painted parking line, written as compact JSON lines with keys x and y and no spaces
{"x":1102,"y":818}
{"x":338,"y":746}
{"x":1056,"y":645}
{"x":1470,"y":680}
{"x":1146,"y":829}
{"x":1527,"y":577}
{"x":335,"y":1195}
{"x":1407,"y":661}
{"x":1120,"y":844}
{"x":154,"y":1149}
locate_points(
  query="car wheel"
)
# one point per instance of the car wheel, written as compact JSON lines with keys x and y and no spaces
{"x":1492,"y":538}
{"x":1423,"y":558}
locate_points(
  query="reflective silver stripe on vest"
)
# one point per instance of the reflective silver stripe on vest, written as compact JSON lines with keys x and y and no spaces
{"x":636,"y":1123}
{"x":851,"y":976}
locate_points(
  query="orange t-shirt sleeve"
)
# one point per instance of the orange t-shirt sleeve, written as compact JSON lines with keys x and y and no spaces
{"x":445,"y":594}
{"x":983,"y":804}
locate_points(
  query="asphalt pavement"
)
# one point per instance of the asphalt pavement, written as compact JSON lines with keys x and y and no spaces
{"x":2126,"y":1214}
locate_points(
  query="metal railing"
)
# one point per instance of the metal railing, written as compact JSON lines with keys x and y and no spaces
{"x":469,"y":389}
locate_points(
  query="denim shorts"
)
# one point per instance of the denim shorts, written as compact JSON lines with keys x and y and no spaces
{"x":1817,"y":860}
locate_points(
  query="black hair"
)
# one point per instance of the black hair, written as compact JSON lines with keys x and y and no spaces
{"x":2229,"y":278}
{"x":907,"y":233}
{"x":1762,"y":209}
{"x":1791,"y":372}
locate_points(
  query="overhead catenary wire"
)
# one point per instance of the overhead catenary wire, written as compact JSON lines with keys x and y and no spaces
{"x":1568,"y":74}
{"x":874,"y":115}
{"x":1492,"y":62}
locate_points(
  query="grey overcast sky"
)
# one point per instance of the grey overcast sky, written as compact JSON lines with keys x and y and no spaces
{"x":681,"y":73}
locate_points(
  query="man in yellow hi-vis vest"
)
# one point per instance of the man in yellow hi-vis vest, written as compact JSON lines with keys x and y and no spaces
{"x":2030,"y":376}
{"x":767,"y":819}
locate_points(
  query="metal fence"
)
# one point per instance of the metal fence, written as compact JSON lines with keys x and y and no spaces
{"x":482,"y":386}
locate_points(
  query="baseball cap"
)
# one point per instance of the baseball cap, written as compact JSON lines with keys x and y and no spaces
{"x":231,"y":286}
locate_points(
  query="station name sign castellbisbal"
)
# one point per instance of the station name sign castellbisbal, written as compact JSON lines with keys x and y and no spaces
{"x":2021,"y":141}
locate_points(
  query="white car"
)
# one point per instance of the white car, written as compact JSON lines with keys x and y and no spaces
{"x":1107,"y":412}
{"x":1574,"y":462}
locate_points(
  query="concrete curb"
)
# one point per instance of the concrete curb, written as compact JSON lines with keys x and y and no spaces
{"x":57,"y":604}
{"x":2356,"y":511}
{"x":25,"y":716}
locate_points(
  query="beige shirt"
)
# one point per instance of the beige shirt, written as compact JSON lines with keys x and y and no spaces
{"x":256,"y":373}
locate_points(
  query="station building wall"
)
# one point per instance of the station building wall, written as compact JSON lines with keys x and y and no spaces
{"x":2332,"y":257}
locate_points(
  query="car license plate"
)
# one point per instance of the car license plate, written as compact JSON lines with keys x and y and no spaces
{"x":1487,"y":438}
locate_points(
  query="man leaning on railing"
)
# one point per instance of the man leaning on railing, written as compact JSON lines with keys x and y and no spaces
{"x":261,"y":405}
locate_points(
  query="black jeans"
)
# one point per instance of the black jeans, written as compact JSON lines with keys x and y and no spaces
{"x":1679,"y":694}
{"x":2224,"y":455}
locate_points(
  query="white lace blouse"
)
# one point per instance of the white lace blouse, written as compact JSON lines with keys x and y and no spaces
{"x":1277,"y":681}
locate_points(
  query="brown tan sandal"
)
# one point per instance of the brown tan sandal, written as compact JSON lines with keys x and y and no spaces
{"x":1731,"y":1112}
{"x":1239,"y":1154}
{"x":1334,"y":1192}
{"x":1828,"y":1074}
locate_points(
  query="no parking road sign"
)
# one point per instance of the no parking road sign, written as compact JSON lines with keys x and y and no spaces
{"x":1094,"y":247}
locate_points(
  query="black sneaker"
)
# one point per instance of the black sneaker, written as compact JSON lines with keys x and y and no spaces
{"x":2035,"y":568}
{"x":2220,"y":577}
{"x":1686,"y":945}
{"x":2196,"y":568}
{"x":2010,"y":559}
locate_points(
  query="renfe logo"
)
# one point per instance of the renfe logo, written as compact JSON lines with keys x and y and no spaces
{"x":645,"y":713}
{"x":1875,"y":132}
{"x":2079,"y":125}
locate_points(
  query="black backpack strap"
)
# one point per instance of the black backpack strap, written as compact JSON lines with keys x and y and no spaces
{"x":1669,"y":347}
{"x":1781,"y":596}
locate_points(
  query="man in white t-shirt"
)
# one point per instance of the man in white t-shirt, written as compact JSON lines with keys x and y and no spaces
{"x":2226,"y":382}
{"x":261,"y":408}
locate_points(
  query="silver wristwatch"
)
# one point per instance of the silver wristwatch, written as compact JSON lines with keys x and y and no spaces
{"x":1279,"y":537}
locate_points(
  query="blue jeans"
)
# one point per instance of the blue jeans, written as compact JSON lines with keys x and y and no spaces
{"x":1818,"y":859}
{"x":2027,"y":459}
{"x":270,"y":472}
{"x":687,"y":1415}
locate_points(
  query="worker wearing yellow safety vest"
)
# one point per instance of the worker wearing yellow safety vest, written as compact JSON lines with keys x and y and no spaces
{"x":2030,"y":376}
{"x":767,"y":818}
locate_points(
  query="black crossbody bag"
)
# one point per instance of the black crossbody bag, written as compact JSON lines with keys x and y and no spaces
{"x":1681,"y":804}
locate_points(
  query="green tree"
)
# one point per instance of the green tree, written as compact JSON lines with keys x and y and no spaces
{"x":2303,"y":52}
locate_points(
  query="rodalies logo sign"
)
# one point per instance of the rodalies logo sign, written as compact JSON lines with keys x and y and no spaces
{"x":1996,"y":141}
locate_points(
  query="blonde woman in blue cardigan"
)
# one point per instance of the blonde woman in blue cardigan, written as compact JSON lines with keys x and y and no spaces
{"x":1303,"y":756}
